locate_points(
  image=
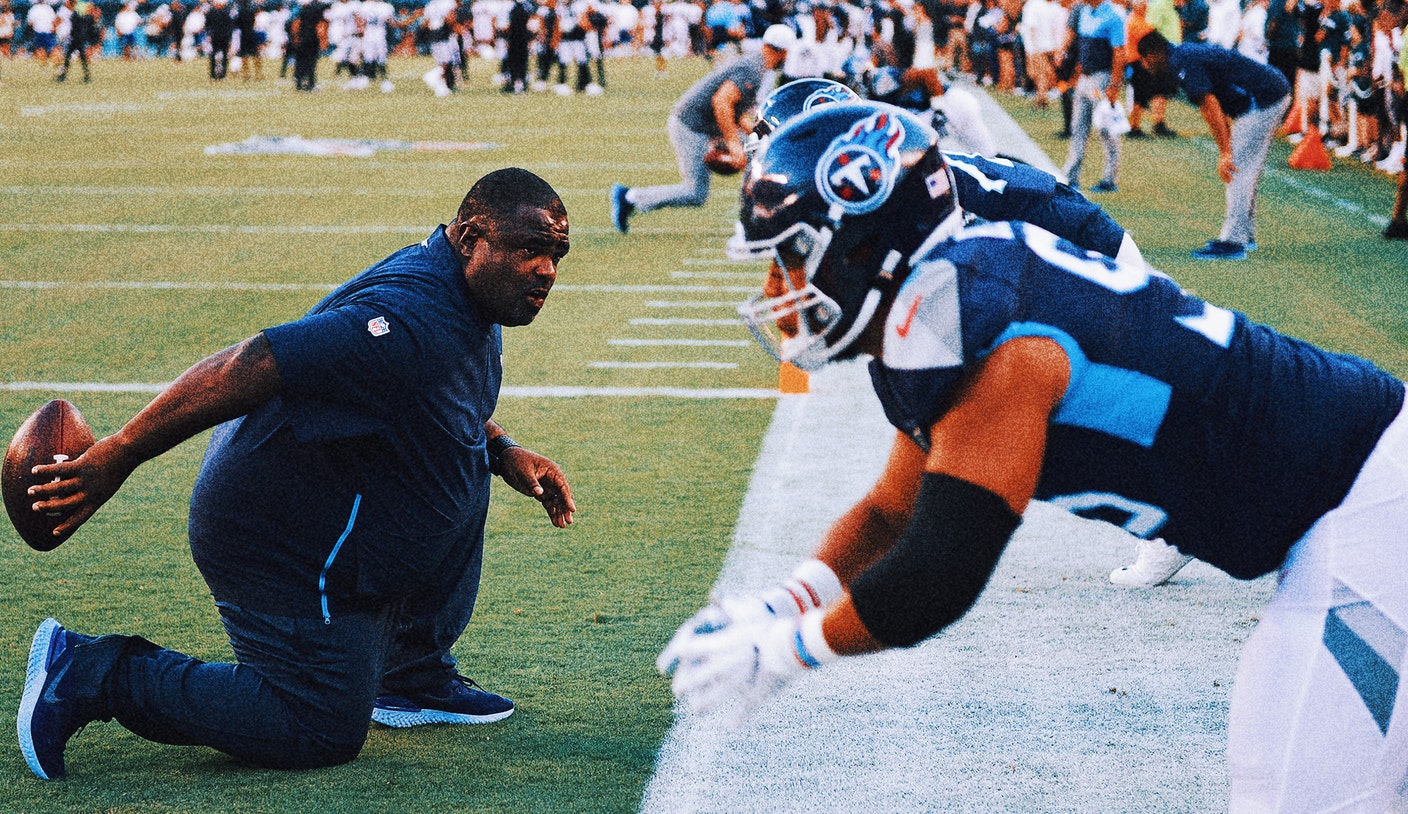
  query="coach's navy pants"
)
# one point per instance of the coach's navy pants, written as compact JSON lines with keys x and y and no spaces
{"x":301,"y":693}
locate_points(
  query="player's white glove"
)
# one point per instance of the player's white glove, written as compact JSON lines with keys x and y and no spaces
{"x":812,"y":585}
{"x":734,"y":669}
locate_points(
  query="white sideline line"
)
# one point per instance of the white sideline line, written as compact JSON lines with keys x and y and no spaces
{"x":507,"y":392}
{"x":684,"y":343}
{"x":686,"y":321}
{"x":718,"y":261}
{"x":665,"y":365}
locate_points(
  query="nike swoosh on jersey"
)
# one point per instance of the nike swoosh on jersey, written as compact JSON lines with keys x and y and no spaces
{"x":903,"y":328}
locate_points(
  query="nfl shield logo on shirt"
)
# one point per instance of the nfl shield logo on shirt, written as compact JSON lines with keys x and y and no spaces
{"x":378,"y":326}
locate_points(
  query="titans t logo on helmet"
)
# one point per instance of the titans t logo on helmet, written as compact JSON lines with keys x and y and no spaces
{"x":827,"y":94}
{"x":859,"y":168}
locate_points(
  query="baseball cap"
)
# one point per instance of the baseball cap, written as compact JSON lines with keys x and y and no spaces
{"x":779,"y":36}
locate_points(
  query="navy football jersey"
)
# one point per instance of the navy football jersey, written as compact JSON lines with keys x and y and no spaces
{"x":1181,"y":419}
{"x":997,"y":189}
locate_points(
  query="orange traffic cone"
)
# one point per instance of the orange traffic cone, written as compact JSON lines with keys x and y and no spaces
{"x":1292,"y":125}
{"x":1310,"y":154}
{"x":792,"y":379}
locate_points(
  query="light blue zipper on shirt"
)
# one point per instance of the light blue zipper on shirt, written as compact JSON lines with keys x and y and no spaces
{"x":327,"y":566}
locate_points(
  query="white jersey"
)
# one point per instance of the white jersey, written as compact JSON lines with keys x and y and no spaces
{"x":436,"y":11}
{"x":342,"y":24}
{"x":1251,"y":41}
{"x":375,"y":16}
{"x":126,"y":22}
{"x":1041,"y":25}
{"x":1224,"y":23}
{"x":41,"y":18}
{"x":65,"y":22}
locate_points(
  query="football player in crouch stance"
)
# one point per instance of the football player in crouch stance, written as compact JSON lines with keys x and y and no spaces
{"x":997,"y":189}
{"x":1015,"y":366}
{"x":338,"y":517}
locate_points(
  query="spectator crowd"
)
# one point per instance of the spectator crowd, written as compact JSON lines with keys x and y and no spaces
{"x":1344,"y":59}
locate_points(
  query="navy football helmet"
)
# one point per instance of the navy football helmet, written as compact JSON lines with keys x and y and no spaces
{"x":840,"y":199}
{"x":797,"y":97}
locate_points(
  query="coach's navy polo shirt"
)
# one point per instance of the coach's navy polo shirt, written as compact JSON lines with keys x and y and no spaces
{"x":1236,"y":81}
{"x":367,"y":478}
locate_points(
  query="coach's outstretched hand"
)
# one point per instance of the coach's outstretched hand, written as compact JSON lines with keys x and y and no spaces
{"x":540,"y":478}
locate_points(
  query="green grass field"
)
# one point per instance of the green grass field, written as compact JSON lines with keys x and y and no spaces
{"x":109,"y":183}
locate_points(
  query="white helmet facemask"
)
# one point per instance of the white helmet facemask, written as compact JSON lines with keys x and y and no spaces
{"x":808,"y":311}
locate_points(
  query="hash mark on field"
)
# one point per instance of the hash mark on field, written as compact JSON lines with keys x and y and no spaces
{"x":686,"y":343}
{"x":168,"y":285}
{"x":714,"y":275}
{"x":507,"y":392}
{"x":730,"y":323}
{"x":235,"y":285}
{"x":664,"y":365}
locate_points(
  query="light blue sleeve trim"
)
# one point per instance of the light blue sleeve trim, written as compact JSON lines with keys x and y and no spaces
{"x":1114,"y":400}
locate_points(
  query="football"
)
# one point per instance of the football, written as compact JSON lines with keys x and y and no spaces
{"x":56,"y":432}
{"x":717,"y":159}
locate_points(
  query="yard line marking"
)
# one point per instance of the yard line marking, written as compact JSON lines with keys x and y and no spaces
{"x":168,"y":285}
{"x":212,"y":228}
{"x":649,"y":289}
{"x":310,"y":229}
{"x":718,"y":261}
{"x":172,"y":285}
{"x":663,"y":365}
{"x":401,"y":192}
{"x":689,"y":304}
{"x":683,"y":343}
{"x":506,"y":392}
{"x":686,"y":321}
{"x":714,"y":275}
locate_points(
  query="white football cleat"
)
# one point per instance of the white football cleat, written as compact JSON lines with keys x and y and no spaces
{"x":386,"y":86}
{"x":1156,"y":564}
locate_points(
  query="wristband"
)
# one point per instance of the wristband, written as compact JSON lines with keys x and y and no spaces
{"x":810,"y":642}
{"x":499,"y":444}
{"x":812,"y":585}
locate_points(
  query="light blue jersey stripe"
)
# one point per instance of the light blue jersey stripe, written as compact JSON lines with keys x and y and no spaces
{"x":327,"y":566}
{"x":1114,"y":400}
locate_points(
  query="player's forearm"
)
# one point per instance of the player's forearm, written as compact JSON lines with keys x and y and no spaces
{"x":223,"y":386}
{"x":858,"y":539}
{"x":1217,"y":124}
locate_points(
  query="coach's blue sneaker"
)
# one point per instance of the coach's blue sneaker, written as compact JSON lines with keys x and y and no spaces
{"x":460,"y":701}
{"x":621,"y":208}
{"x":1250,"y":246}
{"x":1221,"y":250}
{"x":47,"y":719}
{"x":1105,"y":186}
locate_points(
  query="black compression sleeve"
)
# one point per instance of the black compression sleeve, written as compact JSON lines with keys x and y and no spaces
{"x":937,"y":569}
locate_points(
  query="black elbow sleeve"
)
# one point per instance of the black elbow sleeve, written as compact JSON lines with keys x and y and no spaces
{"x":939,"y":566}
